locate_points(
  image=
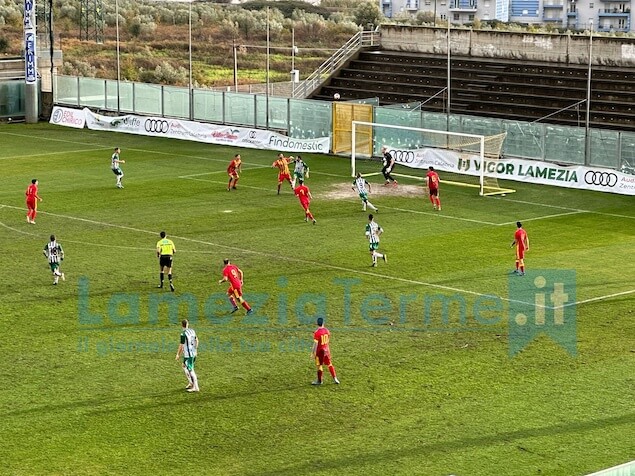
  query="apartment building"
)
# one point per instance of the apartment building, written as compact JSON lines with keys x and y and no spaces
{"x":603,"y":15}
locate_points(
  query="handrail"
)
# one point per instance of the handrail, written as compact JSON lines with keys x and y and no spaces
{"x":360,"y":40}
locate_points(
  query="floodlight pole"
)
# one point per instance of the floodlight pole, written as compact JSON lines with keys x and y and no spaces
{"x":449,"y":78}
{"x":235,"y":66}
{"x":191,"y":91}
{"x":267,"y":77}
{"x":118,"y":58}
{"x":587,"y":130}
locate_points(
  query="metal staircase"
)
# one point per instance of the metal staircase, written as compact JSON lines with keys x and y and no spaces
{"x":362,"y":39}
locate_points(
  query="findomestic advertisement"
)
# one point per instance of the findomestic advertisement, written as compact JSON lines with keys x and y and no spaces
{"x":202,"y":132}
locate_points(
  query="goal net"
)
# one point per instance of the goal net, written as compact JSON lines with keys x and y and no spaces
{"x":475,"y":158}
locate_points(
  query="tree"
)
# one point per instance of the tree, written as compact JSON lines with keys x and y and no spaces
{"x":368,"y":13}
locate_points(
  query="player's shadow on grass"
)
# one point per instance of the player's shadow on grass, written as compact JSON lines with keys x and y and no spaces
{"x":207,"y":394}
{"x":394,"y":453}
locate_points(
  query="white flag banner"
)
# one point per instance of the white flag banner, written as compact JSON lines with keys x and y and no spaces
{"x":64,"y":116}
{"x":520,"y":170}
{"x":202,"y":132}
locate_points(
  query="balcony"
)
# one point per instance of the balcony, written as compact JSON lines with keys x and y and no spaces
{"x":614,"y":28}
{"x":412,"y":5}
{"x":546,"y":6}
{"x":462,"y":5}
{"x":386,"y":2}
{"x":614,"y":12}
{"x":572,"y":14}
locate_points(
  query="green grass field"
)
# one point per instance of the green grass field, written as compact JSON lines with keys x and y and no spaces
{"x":89,"y":380}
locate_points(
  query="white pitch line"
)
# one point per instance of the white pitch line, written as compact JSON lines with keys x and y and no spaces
{"x":220,"y":172}
{"x":328,"y":266}
{"x":543,"y":217}
{"x":225,"y":183}
{"x":579,"y":210}
{"x":595,"y":299}
{"x":286,"y":258}
{"x":65,"y":152}
{"x":386,"y":207}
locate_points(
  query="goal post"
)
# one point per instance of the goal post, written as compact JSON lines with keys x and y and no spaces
{"x":472,"y":155}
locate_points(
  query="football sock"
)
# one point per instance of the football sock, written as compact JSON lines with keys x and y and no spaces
{"x":56,"y":279}
{"x":332,"y":371}
{"x":161,"y":278}
{"x":438,"y":202}
{"x":170,"y":277}
{"x":187,"y":374}
{"x":246,"y":305}
{"x":371,"y":206}
{"x":364,"y":206}
{"x":320,"y":372}
{"x":194,"y":379}
{"x":278,"y":189}
{"x":232,"y":301}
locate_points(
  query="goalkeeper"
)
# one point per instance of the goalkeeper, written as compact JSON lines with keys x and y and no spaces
{"x":388,"y":162}
{"x":300,"y":171}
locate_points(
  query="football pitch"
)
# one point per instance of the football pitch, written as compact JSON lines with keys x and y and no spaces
{"x":436,"y":379}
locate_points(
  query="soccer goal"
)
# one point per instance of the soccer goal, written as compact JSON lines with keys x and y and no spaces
{"x":475,"y":158}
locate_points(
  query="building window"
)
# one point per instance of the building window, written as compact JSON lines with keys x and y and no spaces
{"x":591,"y":5}
{"x":470,"y":17}
{"x":456,"y":17}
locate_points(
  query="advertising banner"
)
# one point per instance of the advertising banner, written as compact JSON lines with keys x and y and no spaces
{"x":209,"y":133}
{"x":520,"y":170}
{"x":65,"y":116}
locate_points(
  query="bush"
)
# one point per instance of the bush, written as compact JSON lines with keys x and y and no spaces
{"x":4,"y":44}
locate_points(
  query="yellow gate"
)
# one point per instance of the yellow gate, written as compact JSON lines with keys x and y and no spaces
{"x":344,"y":113}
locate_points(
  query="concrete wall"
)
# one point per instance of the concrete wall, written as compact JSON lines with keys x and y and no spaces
{"x":555,"y":48}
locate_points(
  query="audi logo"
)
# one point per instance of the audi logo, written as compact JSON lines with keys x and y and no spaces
{"x":404,"y":156}
{"x":156,"y":125}
{"x":607,"y":179}
{"x":252,"y":134}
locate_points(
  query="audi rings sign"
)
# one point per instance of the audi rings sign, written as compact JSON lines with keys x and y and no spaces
{"x":520,"y":170}
{"x":201,"y":132}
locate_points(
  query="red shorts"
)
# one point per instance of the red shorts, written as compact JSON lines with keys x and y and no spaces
{"x":31,"y":203}
{"x":283,"y":177}
{"x":305,"y":204}
{"x":233,"y":175}
{"x":434,"y":192}
{"x":520,"y":253}
{"x":235,"y":291}
{"x":322,"y":357}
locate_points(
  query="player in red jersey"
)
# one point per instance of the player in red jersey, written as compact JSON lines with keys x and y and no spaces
{"x":282,"y":164}
{"x":233,"y":170}
{"x":321,"y":352}
{"x":234,"y":275}
{"x":304,"y":195}
{"x":433,"y":188}
{"x":521,"y":240}
{"x":31,"y":201}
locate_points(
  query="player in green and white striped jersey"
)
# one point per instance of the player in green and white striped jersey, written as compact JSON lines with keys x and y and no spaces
{"x":300,"y":171}
{"x":188,"y":347}
{"x":55,"y":255}
{"x":373,"y":230}
{"x":360,"y":184}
